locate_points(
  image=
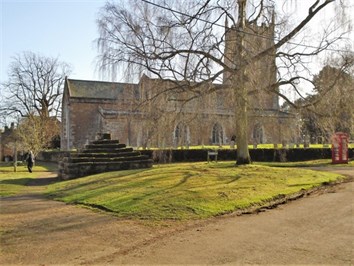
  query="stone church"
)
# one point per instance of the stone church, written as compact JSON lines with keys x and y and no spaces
{"x":164,"y":113}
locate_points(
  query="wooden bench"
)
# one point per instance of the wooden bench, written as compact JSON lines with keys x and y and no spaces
{"x":213,"y":153}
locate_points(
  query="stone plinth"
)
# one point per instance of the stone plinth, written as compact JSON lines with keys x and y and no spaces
{"x":101,"y":156}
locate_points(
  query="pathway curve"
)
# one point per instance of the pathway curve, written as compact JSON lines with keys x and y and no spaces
{"x":317,"y":229}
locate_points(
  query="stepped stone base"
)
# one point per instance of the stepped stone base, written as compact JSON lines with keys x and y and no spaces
{"x":101,"y":156}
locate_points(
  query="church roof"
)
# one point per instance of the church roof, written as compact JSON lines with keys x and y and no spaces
{"x":95,"y":89}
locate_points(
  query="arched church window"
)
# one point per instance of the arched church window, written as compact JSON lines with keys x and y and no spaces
{"x":217,"y":134}
{"x":136,"y":93}
{"x":181,"y":135}
{"x":258,"y":134}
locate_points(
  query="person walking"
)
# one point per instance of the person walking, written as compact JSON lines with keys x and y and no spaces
{"x":30,"y":161}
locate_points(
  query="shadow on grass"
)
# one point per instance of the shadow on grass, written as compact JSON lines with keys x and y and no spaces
{"x":17,"y":181}
{"x":42,"y":181}
{"x":30,"y":181}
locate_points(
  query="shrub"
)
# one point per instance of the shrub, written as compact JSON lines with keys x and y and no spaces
{"x":259,"y":155}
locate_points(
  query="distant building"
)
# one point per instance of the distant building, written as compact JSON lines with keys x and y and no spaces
{"x":165,"y":113}
{"x":7,"y":143}
{"x":94,"y":107}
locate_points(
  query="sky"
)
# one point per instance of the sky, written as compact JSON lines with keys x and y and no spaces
{"x":54,"y":28}
{"x":59,"y":28}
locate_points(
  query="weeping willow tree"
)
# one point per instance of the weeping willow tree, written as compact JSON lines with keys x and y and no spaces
{"x":251,"y":47}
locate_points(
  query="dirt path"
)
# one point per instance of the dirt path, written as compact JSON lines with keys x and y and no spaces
{"x":317,"y":229}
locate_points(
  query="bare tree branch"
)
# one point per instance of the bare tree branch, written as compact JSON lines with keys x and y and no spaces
{"x":34,"y":86}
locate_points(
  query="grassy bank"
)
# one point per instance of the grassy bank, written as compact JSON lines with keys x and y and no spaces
{"x":186,"y":190}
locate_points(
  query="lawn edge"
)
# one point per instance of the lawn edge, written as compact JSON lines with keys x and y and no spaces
{"x":325,"y":187}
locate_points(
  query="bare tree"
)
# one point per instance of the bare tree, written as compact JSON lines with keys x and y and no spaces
{"x":34,"y":87}
{"x":185,"y":41}
{"x":32,"y":96}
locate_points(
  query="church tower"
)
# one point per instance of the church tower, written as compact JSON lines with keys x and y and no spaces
{"x":259,"y":75}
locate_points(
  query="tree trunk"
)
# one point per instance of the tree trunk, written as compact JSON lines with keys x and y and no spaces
{"x":243,"y":156}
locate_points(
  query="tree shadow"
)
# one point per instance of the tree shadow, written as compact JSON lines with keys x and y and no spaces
{"x":42,"y":181}
{"x":17,"y":181}
{"x":31,"y":182}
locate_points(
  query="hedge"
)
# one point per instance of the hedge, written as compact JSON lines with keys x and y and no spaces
{"x":259,"y":155}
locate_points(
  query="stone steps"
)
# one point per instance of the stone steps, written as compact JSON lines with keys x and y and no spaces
{"x":105,"y":146}
{"x":105,"y":155}
{"x":105,"y":141}
{"x":110,"y":159}
{"x":102,"y":156}
{"x":107,"y":150}
{"x":76,"y":170}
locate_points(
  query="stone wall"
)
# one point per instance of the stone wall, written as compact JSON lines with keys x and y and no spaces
{"x":51,"y":156}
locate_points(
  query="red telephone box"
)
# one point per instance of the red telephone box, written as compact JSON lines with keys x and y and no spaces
{"x":340,"y":148}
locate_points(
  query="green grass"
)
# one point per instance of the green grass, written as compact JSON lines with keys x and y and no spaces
{"x":186,"y":190}
{"x":13,"y":183}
